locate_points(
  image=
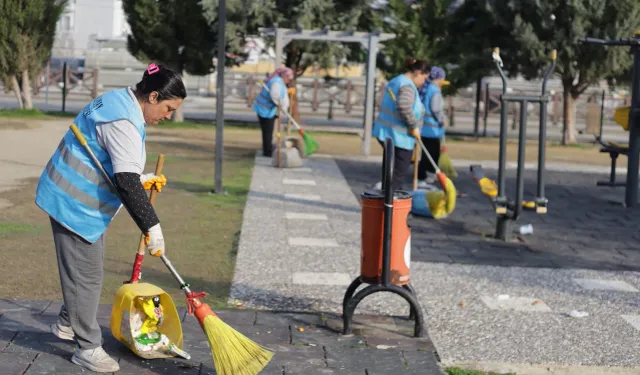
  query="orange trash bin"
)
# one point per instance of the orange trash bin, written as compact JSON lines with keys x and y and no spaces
{"x":372,"y":231}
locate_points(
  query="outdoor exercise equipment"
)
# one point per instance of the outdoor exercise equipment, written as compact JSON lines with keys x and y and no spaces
{"x":633,"y":151}
{"x":509,"y":210}
{"x":385,"y":258}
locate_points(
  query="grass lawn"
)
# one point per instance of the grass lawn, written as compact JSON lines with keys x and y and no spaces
{"x":201,"y":230}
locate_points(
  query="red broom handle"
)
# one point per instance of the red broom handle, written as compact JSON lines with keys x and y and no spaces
{"x":137,"y":264}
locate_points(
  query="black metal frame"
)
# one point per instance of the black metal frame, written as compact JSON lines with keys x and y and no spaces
{"x":506,"y":209}
{"x":631,"y":192}
{"x":351,"y":301}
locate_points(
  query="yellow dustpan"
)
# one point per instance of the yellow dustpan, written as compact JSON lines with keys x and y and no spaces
{"x":127,"y":303}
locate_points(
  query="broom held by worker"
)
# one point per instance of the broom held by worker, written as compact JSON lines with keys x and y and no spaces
{"x":273,"y":93}
{"x":433,"y":127}
{"x":78,"y":200}
{"x":400,"y":116}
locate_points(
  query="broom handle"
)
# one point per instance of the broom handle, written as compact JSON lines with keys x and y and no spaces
{"x":433,"y":163}
{"x":183,"y":285}
{"x":136,"y":273}
{"x":418,"y":154}
{"x":76,"y":131}
{"x":278,"y":138}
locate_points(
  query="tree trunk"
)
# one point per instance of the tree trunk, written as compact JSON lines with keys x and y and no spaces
{"x":16,"y":91}
{"x":26,"y":90}
{"x":292,"y":62}
{"x":568,"y":117}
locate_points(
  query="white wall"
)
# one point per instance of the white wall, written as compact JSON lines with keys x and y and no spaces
{"x":88,"y":19}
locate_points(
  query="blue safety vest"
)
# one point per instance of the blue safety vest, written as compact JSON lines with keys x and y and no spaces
{"x":71,"y":188}
{"x":389,"y":123}
{"x":431,"y":128}
{"x":263,"y":105}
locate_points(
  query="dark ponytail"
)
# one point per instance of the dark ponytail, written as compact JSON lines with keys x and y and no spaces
{"x":164,"y":81}
{"x":411,"y":65}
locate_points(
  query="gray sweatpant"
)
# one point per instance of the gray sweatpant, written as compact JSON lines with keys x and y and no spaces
{"x":80,"y":264}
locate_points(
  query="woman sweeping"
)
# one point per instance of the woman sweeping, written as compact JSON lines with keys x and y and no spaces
{"x":266,"y":104}
{"x":400,"y":117}
{"x":80,"y":205}
{"x":433,"y":128}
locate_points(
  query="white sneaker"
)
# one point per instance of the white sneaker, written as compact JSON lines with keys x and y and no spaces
{"x":62,"y":332}
{"x":95,"y":360}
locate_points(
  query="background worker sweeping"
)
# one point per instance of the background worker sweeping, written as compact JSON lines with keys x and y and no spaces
{"x":266,"y":103}
{"x":81,"y":206}
{"x":433,"y":127}
{"x":400,"y":117}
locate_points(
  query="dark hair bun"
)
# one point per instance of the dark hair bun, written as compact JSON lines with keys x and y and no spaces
{"x":162,"y":80}
{"x":412,"y":64}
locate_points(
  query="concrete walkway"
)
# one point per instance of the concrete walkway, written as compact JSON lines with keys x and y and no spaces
{"x":25,"y":152}
{"x":300,"y":248}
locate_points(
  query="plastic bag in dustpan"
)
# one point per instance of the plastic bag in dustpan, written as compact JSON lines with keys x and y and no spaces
{"x":145,"y":319}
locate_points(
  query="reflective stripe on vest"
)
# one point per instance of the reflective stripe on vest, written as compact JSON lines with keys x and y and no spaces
{"x":71,"y":188}
{"x":78,"y":194}
{"x":82,"y":169}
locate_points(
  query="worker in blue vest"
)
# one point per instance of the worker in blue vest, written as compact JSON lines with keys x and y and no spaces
{"x":400,"y":117}
{"x":266,"y":102}
{"x":80,"y":204}
{"x":433,"y":126}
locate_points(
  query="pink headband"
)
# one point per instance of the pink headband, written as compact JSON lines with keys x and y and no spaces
{"x":153,"y":68}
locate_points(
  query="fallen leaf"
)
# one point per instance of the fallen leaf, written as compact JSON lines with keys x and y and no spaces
{"x":461,"y":304}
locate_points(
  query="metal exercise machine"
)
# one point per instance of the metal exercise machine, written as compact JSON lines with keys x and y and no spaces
{"x":633,"y":152}
{"x":509,"y":210}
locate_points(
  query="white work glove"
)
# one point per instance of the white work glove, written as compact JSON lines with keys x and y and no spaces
{"x":155,"y":241}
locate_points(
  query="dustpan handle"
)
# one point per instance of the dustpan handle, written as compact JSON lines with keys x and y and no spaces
{"x":137,"y":264}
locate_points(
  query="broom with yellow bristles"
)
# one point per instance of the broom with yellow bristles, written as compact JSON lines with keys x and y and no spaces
{"x":233,"y":353}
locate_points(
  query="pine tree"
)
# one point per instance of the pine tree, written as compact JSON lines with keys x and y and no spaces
{"x":171,"y":32}
{"x":542,"y":25}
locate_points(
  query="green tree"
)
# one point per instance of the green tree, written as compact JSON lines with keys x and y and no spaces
{"x":171,"y":32}
{"x":542,"y":25}
{"x":420,"y":28}
{"x":27,"y":32}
